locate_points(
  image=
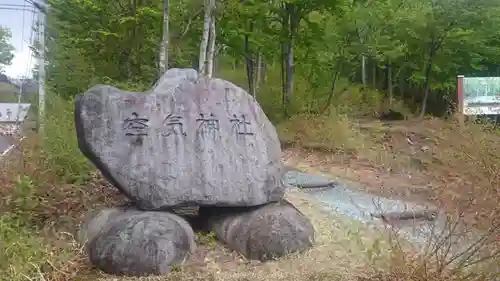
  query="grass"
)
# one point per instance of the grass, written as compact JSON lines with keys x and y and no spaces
{"x":432,"y":161}
{"x":455,"y":165}
{"x":8,"y":93}
{"x":49,"y":187}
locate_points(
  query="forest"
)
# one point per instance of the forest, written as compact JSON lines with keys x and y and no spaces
{"x":295,"y":56}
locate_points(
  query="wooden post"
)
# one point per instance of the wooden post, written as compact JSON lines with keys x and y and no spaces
{"x":460,"y":100}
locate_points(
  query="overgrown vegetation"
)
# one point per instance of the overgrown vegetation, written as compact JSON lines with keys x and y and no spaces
{"x":322,"y":70}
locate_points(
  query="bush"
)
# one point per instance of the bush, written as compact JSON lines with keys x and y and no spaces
{"x":334,"y":132}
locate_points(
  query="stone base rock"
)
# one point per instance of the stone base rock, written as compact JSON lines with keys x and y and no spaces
{"x":263,"y":233}
{"x":126,"y":241}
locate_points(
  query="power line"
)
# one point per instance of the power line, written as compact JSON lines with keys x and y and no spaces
{"x":22,"y":29}
{"x":16,"y":9}
{"x":42,"y":6}
{"x":13,"y":5}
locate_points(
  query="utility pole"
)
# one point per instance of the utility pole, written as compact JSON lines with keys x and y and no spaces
{"x":21,"y":88}
{"x":164,"y":41}
{"x":42,"y":21}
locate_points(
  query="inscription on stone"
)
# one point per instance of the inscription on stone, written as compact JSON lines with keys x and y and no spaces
{"x":208,"y":126}
{"x":241,"y":126}
{"x":174,"y":125}
{"x":135,"y":125}
{"x":208,"y":143}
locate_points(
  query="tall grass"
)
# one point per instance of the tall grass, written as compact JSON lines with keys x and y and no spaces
{"x":35,"y":178}
{"x":61,"y":154}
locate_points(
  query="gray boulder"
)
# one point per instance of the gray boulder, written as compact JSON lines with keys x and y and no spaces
{"x":96,"y":221}
{"x":187,"y":141}
{"x":264,"y":233}
{"x":124,"y":241}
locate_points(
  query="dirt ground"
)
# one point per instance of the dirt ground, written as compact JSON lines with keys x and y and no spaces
{"x":415,"y":161}
{"x":428,"y":160}
{"x":341,"y":252}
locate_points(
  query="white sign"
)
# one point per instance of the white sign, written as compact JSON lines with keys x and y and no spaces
{"x":485,"y":105}
{"x":10,"y":112}
{"x":481,"y":95}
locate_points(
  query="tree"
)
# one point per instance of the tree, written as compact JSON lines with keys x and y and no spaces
{"x":319,"y":48}
{"x":447,"y":22}
{"x":164,"y":41}
{"x":207,"y":44}
{"x":6,"y":49}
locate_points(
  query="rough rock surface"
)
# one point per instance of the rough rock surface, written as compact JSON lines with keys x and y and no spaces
{"x":264,"y":233}
{"x":95,"y":222}
{"x":186,"y":141}
{"x":137,"y":243}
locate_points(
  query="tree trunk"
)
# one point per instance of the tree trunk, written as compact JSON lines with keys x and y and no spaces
{"x":289,"y":70}
{"x":284,"y":48}
{"x":211,"y":47}
{"x":293,"y":26}
{"x":335,"y":77}
{"x":204,"y":39}
{"x":283,"y":74}
{"x":428,"y":71}
{"x":258,"y":77}
{"x":164,"y":41}
{"x":363,"y":69}
{"x":249,"y":63}
{"x":361,"y":34}
{"x":389,"y":82}
{"x":264,"y":71}
{"x":374,"y":73}
{"x":134,"y":68}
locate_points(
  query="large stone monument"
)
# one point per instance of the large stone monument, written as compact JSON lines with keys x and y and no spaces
{"x":205,"y":142}
{"x":188,"y":141}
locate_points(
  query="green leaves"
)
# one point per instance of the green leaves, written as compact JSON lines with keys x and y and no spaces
{"x":6,"y":49}
{"x":118,"y":41}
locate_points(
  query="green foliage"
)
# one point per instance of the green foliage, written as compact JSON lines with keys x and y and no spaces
{"x":60,"y":151}
{"x":24,"y":254}
{"x":206,"y":238}
{"x":23,"y":197}
{"x":6,"y":49}
{"x":8,"y":92}
{"x":20,"y":249}
{"x":117,"y":43}
{"x":102,"y":42}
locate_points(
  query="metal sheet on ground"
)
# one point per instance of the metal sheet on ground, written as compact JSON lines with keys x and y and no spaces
{"x":5,"y":143}
{"x":347,"y":200}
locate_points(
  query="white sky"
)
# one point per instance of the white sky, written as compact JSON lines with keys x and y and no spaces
{"x":21,"y":64}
